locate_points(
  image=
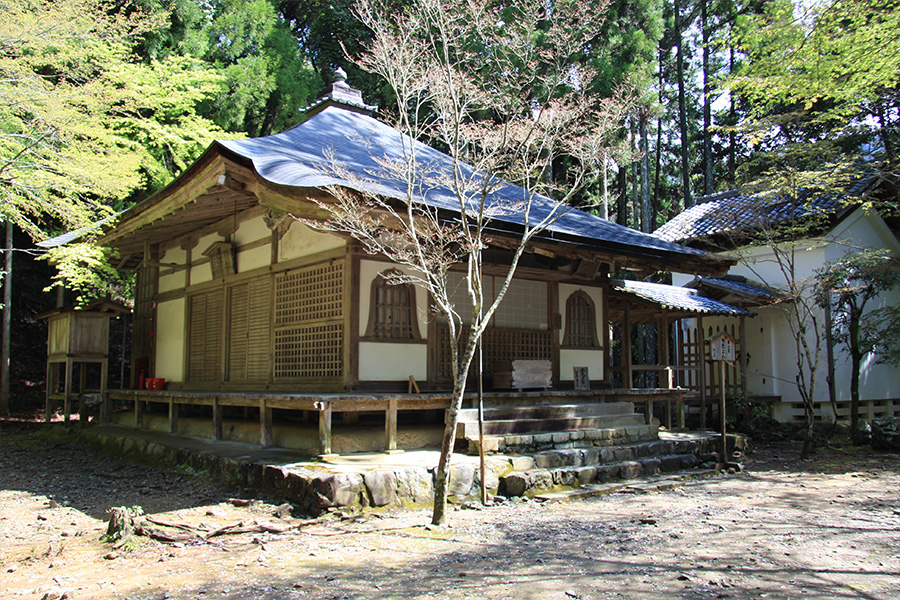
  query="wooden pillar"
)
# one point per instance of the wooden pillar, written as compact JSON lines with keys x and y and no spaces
{"x":701,"y":364}
{"x":106,"y":405}
{"x":138,"y":412}
{"x":52,"y":382}
{"x":662,"y":352}
{"x":324,"y":428}
{"x":742,"y":332}
{"x":173,"y":415}
{"x":216,"y":418}
{"x":67,"y":392}
{"x":265,"y":424}
{"x":82,"y":388}
{"x":390,"y":426}
{"x":628,"y":378}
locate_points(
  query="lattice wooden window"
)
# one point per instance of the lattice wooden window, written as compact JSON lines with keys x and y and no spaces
{"x":392,"y":314}
{"x":205,"y":336}
{"x":581,"y":322}
{"x":499,"y":344}
{"x":309,"y":326}
{"x":314,"y":351}
{"x":309,"y":294}
{"x":249,"y":340}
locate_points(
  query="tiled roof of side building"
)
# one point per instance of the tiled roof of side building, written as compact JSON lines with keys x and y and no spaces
{"x":677,"y":298}
{"x":739,"y":287}
{"x":737,"y":211}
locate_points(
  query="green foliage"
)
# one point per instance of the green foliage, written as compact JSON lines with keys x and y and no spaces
{"x":821,"y":82}
{"x":82,"y":121}
{"x":86,"y":270}
{"x":848,"y":285}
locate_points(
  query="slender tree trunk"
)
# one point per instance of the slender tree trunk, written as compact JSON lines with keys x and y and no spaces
{"x":855,"y":361}
{"x":682,"y":113}
{"x":708,"y":184}
{"x":732,"y":121}
{"x":646,"y":213}
{"x":604,"y":188}
{"x":7,"y":320}
{"x":656,"y":175}
{"x":622,"y":200}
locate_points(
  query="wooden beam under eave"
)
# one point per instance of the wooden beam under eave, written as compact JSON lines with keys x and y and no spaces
{"x":183,"y":191}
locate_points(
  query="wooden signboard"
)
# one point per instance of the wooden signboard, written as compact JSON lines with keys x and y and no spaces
{"x":721,"y":346}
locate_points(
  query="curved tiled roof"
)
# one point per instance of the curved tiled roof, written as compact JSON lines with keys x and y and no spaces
{"x":677,"y":298}
{"x":737,"y":211}
{"x":361,"y":147}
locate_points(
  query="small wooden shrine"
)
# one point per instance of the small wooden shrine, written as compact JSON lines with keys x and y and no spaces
{"x":77,"y":336}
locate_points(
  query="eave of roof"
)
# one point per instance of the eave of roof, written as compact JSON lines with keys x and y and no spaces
{"x":737,"y":214}
{"x":678,"y":299}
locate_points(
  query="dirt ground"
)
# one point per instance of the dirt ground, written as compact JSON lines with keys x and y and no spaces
{"x":824,"y":528}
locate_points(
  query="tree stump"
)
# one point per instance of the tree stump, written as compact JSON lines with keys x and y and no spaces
{"x":121,"y":524}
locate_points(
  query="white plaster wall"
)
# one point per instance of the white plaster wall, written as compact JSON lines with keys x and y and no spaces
{"x":772,"y":368}
{"x":368,"y":271}
{"x":592,"y":359}
{"x":255,"y":258}
{"x":174,"y":280}
{"x":301,"y":241}
{"x":170,"y":340}
{"x":385,"y":361}
{"x":251,"y":230}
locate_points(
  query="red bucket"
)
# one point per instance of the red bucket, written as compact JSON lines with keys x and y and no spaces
{"x":156,"y":383}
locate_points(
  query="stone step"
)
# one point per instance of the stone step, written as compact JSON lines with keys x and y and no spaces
{"x":547,"y":411}
{"x":588,"y":438}
{"x":532,"y":426}
{"x":541,"y":481}
{"x":652,"y":484}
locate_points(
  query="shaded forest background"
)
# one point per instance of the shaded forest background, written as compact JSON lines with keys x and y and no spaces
{"x":111,"y":100}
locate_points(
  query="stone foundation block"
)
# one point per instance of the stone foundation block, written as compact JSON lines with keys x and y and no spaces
{"x":571,"y":458}
{"x":564,"y":477}
{"x":415,"y":485}
{"x":522,"y":463}
{"x":608,"y":472}
{"x":630,"y":470}
{"x":585,"y":475}
{"x":513,"y":485}
{"x":381,"y":487}
{"x":540,"y":479}
{"x":549,"y":460}
{"x":649,"y":466}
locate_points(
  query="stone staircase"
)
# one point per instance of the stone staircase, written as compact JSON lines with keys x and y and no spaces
{"x":588,"y":470}
{"x":539,"y":425}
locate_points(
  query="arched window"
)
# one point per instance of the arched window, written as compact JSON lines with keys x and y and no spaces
{"x":393,"y":309}
{"x":581,"y":322}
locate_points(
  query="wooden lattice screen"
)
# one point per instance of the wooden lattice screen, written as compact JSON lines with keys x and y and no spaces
{"x":205,"y":336}
{"x":249,"y":338}
{"x":309,"y":322}
{"x":692,"y":346}
{"x":499,"y":344}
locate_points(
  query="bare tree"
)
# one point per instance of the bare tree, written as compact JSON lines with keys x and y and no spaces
{"x":501,"y":90}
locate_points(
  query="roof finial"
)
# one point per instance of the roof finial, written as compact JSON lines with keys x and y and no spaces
{"x":342,"y":95}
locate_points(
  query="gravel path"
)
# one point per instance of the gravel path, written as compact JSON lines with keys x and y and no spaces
{"x":826,"y":528}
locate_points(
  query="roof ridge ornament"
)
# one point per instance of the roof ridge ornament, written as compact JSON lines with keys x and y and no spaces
{"x":341,"y":94}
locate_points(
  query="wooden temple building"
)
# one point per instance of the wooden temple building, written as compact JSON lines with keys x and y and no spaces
{"x":247,"y":313}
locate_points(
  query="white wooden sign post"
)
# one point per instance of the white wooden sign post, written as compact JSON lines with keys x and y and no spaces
{"x":721,"y":349}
